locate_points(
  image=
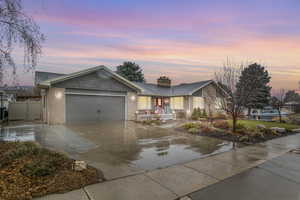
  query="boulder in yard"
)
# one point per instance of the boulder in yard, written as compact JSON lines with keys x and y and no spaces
{"x":260,"y":126}
{"x":79,"y":165}
{"x":278,"y":130}
{"x":297,"y":130}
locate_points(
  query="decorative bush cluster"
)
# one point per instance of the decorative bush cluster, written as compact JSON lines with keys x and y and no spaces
{"x":198,"y":113}
{"x":222,"y":124}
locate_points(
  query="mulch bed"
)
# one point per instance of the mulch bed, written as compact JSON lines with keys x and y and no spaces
{"x":27,"y":171}
{"x":227,"y":135}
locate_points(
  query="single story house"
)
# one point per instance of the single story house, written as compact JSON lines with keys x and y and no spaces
{"x":98,"y":93}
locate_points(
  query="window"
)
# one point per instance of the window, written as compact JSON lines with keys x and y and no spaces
{"x":218,"y":104}
{"x":177,"y":103}
{"x":198,"y":102}
{"x":144,"y":103}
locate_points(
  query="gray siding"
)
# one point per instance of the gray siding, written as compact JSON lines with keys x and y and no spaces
{"x":43,"y":76}
{"x":198,"y":93}
{"x":95,"y":81}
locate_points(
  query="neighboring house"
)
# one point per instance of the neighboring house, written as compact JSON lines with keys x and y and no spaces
{"x":267,"y":114}
{"x":21,"y":93}
{"x":98,"y":94}
{"x":292,"y":106}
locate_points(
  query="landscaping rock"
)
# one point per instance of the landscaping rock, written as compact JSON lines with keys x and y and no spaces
{"x":278,"y":130}
{"x":296,"y":151}
{"x":79,"y":165}
{"x":244,"y":138}
{"x":261,"y":126}
{"x":297,"y":130}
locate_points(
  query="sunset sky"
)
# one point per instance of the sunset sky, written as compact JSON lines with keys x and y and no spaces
{"x":185,"y":40}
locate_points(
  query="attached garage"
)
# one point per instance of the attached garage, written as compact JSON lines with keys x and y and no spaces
{"x":92,"y":108}
{"x":92,"y":95}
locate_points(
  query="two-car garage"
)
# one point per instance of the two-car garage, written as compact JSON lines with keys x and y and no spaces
{"x":92,"y":95}
{"x":91,"y":108}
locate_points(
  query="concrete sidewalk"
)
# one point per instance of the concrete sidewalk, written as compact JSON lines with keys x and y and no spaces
{"x":187,"y":179}
{"x":276,"y":179}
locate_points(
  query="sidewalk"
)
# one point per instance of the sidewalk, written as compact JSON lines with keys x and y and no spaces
{"x":276,"y":179}
{"x":180,"y":180}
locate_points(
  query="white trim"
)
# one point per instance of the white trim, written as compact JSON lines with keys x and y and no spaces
{"x":126,"y":107}
{"x":87,"y":71}
{"x":65,"y":106}
{"x":95,"y":94}
{"x":206,"y":84}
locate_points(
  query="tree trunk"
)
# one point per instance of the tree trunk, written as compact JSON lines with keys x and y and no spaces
{"x":249,"y":113}
{"x":280,"y":118}
{"x":233,"y":124}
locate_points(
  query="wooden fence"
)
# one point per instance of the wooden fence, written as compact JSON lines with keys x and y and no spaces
{"x":25,"y":110}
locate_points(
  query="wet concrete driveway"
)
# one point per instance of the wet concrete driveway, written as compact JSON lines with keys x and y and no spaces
{"x":121,"y":148}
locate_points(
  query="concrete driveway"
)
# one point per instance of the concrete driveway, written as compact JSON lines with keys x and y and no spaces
{"x":120,"y":149}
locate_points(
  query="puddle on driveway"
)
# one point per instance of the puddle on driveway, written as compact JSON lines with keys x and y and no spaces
{"x":118,"y":144}
{"x":18,"y":133}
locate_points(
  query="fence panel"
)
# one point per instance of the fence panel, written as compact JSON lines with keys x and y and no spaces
{"x":27,"y":110}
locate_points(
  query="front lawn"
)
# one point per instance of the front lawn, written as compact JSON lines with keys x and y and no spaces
{"x":248,"y":131}
{"x":297,"y":115}
{"x":252,"y":124}
{"x":28,"y":170}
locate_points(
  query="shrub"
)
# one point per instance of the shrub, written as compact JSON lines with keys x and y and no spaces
{"x":221,"y":124}
{"x":151,"y":122}
{"x":257,"y":134}
{"x":147,"y":122}
{"x":195,"y":115}
{"x":268,"y":131}
{"x":45,"y":163}
{"x":190,"y":125}
{"x":206,"y":129}
{"x":193,"y":130}
{"x":204,"y":114}
{"x":220,"y":115}
{"x":38,"y":168}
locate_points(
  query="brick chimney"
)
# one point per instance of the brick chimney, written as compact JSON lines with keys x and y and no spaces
{"x":164,"y":81}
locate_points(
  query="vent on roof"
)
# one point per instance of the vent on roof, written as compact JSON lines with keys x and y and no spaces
{"x":164,"y":81}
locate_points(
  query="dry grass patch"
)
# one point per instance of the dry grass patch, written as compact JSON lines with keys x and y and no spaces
{"x":28,"y":170}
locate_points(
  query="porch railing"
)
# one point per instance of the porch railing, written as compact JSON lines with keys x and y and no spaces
{"x":163,"y":117}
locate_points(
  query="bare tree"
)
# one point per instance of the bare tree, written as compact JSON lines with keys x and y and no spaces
{"x":227,"y":79}
{"x":18,"y":29}
{"x":210,"y":101}
{"x":277,"y":102}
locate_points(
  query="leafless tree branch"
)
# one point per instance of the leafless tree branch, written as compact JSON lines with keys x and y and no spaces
{"x":17,"y":29}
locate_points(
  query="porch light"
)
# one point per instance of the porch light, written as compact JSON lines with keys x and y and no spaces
{"x":133,"y":98}
{"x":58,"y":95}
{"x":188,"y":111}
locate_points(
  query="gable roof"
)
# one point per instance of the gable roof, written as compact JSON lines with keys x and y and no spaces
{"x":176,"y":90}
{"x":49,"y":82}
{"x":43,"y":76}
{"x":150,"y":89}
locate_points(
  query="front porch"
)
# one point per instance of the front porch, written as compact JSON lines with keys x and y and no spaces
{"x":159,"y":108}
